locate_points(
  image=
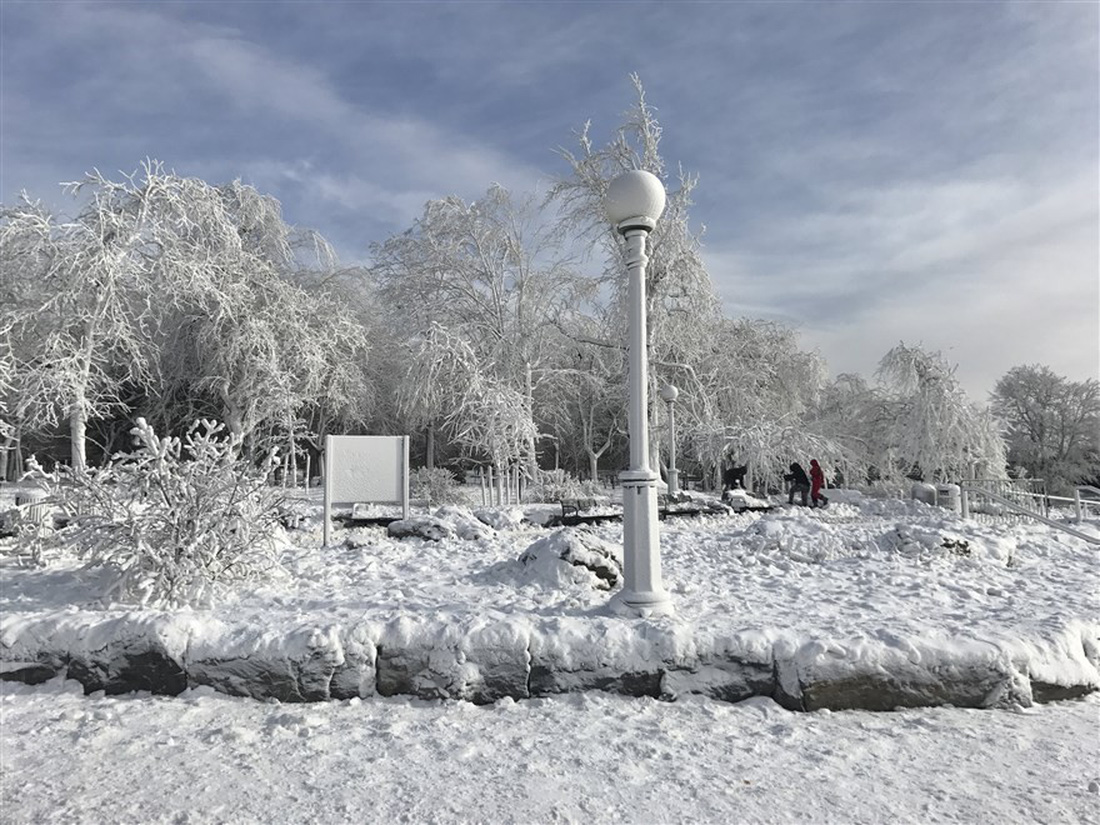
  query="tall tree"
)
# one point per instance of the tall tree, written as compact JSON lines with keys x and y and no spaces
{"x":1053,"y":425}
{"x":681,"y":305}
{"x":489,"y":273}
{"x":932,"y":427}
{"x":83,"y":312}
{"x":180,"y":289}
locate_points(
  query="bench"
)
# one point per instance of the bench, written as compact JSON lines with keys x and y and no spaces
{"x":680,"y":505}
{"x":582,"y":511}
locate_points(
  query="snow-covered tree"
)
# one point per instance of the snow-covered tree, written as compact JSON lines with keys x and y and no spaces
{"x":590,"y":391}
{"x":175,"y":295}
{"x":82,"y":311}
{"x":489,"y":273}
{"x":681,"y":303}
{"x":748,"y":397}
{"x":1053,"y":425}
{"x":933,"y":429}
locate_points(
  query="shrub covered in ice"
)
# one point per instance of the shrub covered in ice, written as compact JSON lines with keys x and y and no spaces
{"x":437,"y":485}
{"x":174,"y":519}
{"x":556,"y":485}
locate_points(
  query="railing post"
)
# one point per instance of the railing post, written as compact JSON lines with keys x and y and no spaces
{"x":964,"y":503}
{"x":1077,"y":504}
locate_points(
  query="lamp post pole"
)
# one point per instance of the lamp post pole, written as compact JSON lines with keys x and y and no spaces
{"x":634,"y":202}
{"x":669,"y":393}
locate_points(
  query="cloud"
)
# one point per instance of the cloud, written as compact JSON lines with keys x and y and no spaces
{"x":996,"y":273}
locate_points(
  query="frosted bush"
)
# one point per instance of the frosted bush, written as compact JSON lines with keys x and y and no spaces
{"x":436,"y":484}
{"x":174,"y":519}
{"x":558,"y":485}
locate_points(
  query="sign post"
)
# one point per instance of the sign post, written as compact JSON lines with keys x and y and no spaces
{"x":368,"y":469}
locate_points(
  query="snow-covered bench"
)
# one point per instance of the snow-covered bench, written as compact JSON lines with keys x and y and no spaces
{"x":587,"y":511}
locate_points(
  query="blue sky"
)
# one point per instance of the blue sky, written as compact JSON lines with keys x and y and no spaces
{"x":868,"y":171}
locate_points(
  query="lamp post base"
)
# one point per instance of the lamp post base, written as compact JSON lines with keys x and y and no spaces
{"x":643,"y":593}
{"x":635,"y":605}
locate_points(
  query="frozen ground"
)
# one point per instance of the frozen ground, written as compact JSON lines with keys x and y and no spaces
{"x":585,"y":758}
{"x":865,"y":583}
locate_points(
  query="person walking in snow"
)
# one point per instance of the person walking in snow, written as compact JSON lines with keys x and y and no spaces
{"x":799,"y":483}
{"x":817,"y":481}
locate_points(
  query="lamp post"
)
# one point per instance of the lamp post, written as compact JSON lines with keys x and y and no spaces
{"x":633,"y":203}
{"x":669,"y":393}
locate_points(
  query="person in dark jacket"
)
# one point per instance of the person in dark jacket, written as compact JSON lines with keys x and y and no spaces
{"x":817,"y":481}
{"x":799,"y":483}
{"x":733,"y":477}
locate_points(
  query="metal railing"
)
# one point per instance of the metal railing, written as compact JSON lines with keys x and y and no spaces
{"x":976,"y":501}
{"x":1029,"y":493}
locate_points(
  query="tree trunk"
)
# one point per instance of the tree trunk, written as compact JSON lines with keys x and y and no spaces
{"x":7,"y":453}
{"x":292,"y":458}
{"x":78,"y":427}
{"x":532,"y":456}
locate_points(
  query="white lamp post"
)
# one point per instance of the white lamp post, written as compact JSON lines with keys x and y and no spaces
{"x":634,"y":202}
{"x":669,"y":393}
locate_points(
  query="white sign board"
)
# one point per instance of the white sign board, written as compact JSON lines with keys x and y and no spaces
{"x":365,"y":469}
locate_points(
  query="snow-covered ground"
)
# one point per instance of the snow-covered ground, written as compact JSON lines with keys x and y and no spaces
{"x":867,"y":582}
{"x":584,"y":758}
{"x":878,"y":584}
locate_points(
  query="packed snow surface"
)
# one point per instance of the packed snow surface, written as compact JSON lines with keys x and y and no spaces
{"x":586,"y":758}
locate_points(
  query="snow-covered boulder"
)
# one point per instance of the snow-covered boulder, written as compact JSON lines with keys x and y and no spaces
{"x":295,"y":665}
{"x":739,"y":500}
{"x":422,"y":527}
{"x":475,"y":661}
{"x":465,"y":524}
{"x":508,"y":518}
{"x":572,"y":556}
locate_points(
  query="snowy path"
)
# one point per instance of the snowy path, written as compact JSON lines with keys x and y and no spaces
{"x":585,"y":758}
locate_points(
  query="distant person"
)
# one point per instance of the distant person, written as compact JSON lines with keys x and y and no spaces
{"x":799,"y":483}
{"x":733,"y":477}
{"x":817,"y":481}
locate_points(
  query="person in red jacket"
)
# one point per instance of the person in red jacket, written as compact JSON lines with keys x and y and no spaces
{"x":817,"y":481}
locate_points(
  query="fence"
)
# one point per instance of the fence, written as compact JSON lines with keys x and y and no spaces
{"x":980,"y":503}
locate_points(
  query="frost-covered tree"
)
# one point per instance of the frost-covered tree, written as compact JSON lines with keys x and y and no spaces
{"x":748,"y":397}
{"x":439,"y":368}
{"x":7,"y":428}
{"x":488,"y":272}
{"x":854,"y":416}
{"x":82,"y":310}
{"x":1053,"y":425}
{"x":173,"y":295}
{"x":932,"y":428}
{"x":590,"y":390}
{"x":681,"y":303}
